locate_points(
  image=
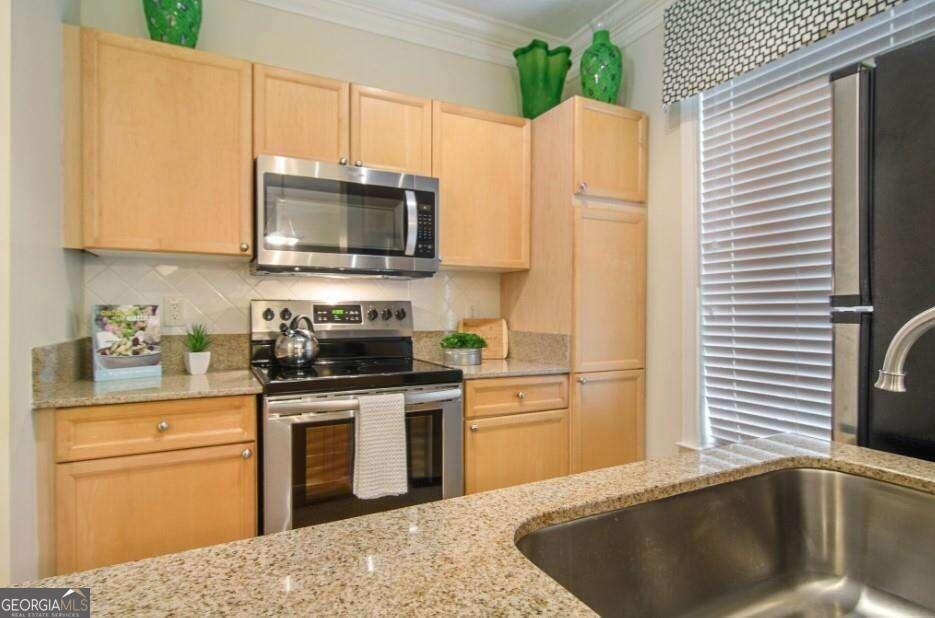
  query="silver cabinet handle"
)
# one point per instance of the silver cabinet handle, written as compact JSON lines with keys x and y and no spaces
{"x":583,"y":187}
{"x":342,"y":161}
{"x":521,"y":395}
{"x":247,"y":453}
{"x":244,"y":247}
{"x":359,"y":163}
{"x":162,"y":427}
{"x":475,"y":427}
{"x":582,"y":380}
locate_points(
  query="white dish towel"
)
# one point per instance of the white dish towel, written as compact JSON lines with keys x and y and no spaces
{"x":380,"y":447}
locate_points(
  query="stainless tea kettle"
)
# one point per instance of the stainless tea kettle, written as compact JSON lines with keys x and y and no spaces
{"x":296,"y":346}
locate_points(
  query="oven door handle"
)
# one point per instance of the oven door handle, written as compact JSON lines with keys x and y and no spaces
{"x":303,"y":411}
{"x":412,"y":221}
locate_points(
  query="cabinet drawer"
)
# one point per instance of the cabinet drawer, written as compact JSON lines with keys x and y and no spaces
{"x":497,"y":396}
{"x":114,"y":430}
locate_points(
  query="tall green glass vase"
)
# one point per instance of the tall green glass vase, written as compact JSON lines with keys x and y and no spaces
{"x":173,"y":21}
{"x":541,"y":75}
{"x":601,"y":69}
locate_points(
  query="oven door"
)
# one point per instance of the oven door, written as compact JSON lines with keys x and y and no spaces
{"x":325,"y":217}
{"x":309,"y":456}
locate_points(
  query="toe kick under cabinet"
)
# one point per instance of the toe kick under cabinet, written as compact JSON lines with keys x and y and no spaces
{"x":131,"y":481}
{"x":516,"y":431}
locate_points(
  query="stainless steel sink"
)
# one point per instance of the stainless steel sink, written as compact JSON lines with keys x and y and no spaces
{"x":797,"y":542}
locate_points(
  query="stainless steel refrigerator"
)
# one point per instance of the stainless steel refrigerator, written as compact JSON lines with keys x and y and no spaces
{"x":884,"y":246}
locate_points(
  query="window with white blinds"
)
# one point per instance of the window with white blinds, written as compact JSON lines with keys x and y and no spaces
{"x":765,"y":227}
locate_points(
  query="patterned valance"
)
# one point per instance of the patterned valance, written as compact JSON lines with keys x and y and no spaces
{"x":708,"y":42}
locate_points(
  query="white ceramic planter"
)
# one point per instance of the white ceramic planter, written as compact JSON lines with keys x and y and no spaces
{"x":196,"y":363}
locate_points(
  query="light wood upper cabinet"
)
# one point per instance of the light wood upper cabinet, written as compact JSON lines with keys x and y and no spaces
{"x":610,"y":151}
{"x":166,"y":146}
{"x":510,"y":450}
{"x":391,"y":131}
{"x":127,"y":508}
{"x":609,"y":288}
{"x":482,"y":160}
{"x":607,"y":419}
{"x":300,"y":115}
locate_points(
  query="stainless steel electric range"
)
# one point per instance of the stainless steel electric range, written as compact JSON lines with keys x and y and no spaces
{"x":308,"y":411}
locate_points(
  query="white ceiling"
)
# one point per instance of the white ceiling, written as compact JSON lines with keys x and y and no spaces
{"x":559,"y":18}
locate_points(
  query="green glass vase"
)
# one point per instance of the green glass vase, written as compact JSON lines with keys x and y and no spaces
{"x":601,"y":69}
{"x":541,"y":75}
{"x":173,"y":21}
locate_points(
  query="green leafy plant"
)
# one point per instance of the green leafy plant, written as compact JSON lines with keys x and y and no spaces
{"x":463,"y":340}
{"x":197,"y":339}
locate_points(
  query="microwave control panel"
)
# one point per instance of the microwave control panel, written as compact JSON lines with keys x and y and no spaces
{"x":425,"y":240}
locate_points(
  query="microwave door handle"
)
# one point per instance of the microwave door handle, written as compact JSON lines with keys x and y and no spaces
{"x":412,"y":221}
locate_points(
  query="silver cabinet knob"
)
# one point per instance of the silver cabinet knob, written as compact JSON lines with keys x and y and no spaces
{"x":582,"y":380}
{"x":247,"y":453}
{"x":244,"y":247}
{"x":342,"y":161}
{"x":521,"y":395}
{"x":475,"y":427}
{"x":162,"y":427}
{"x":359,"y":163}
{"x":583,"y":187}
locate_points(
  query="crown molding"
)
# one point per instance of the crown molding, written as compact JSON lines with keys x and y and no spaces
{"x":459,"y":31}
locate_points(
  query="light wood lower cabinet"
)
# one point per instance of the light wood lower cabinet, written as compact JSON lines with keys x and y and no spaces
{"x":127,"y":508}
{"x":510,"y":450}
{"x":607,"y":419}
{"x":139,"y":480}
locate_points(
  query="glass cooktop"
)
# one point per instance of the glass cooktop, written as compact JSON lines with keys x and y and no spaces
{"x":353,"y":374}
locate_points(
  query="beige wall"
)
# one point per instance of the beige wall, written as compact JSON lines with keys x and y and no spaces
{"x":45,"y":280}
{"x":4,"y":291}
{"x":262,"y":34}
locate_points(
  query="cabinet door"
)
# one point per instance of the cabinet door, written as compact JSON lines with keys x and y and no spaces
{"x":610,"y":151}
{"x":300,"y":115}
{"x":609,"y":289}
{"x":166,"y":142}
{"x":127,"y":508}
{"x":391,"y":131}
{"x":482,"y":160}
{"x":607,"y":419}
{"x":511,"y":450}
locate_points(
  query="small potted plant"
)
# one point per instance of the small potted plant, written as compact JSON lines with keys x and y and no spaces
{"x":197,"y":358}
{"x":463,"y":348}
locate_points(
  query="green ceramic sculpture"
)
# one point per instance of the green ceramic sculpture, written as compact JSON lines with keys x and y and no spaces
{"x":173,"y":21}
{"x":541,"y":75}
{"x":601,"y":69}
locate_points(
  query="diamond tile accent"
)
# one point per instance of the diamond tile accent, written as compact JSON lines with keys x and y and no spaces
{"x":218,"y":293}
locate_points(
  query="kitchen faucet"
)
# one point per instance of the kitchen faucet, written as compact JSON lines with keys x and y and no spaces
{"x":892,"y":377}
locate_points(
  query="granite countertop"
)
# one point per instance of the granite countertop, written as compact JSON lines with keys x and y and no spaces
{"x":177,"y":386}
{"x":451,"y":557}
{"x":510,"y":367}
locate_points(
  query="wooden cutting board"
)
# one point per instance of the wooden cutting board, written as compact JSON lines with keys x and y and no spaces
{"x":493,"y":330}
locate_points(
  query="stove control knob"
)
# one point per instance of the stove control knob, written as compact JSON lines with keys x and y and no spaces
{"x":286,"y":315}
{"x":400,"y":314}
{"x":283,"y":327}
{"x":269,"y":314}
{"x":373,"y":314}
{"x":386,"y":314}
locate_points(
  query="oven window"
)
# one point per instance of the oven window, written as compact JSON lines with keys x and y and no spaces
{"x":330,"y":216}
{"x":323,"y":469}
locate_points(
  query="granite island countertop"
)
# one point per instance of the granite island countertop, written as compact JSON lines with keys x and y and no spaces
{"x":456,"y":556}
{"x":166,"y":387}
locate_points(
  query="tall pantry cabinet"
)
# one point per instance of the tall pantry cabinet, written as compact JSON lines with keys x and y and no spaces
{"x":588,"y":269}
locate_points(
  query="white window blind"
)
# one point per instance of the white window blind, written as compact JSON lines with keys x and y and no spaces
{"x":765,"y":227}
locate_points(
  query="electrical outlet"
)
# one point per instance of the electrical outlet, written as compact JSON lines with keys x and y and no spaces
{"x":173,"y":314}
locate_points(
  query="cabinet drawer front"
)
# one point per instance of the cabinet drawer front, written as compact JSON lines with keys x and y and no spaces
{"x":114,"y":430}
{"x":515,"y":449}
{"x":497,"y":396}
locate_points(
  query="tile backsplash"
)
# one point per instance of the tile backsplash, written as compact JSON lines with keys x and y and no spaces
{"x":218,"y":293}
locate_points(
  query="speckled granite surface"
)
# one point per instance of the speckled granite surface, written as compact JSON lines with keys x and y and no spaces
{"x":510,"y":367}
{"x":455,"y":557}
{"x":530,"y":354}
{"x":178,"y":386}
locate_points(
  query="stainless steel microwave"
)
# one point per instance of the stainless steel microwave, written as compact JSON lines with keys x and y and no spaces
{"x":315,"y":217}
